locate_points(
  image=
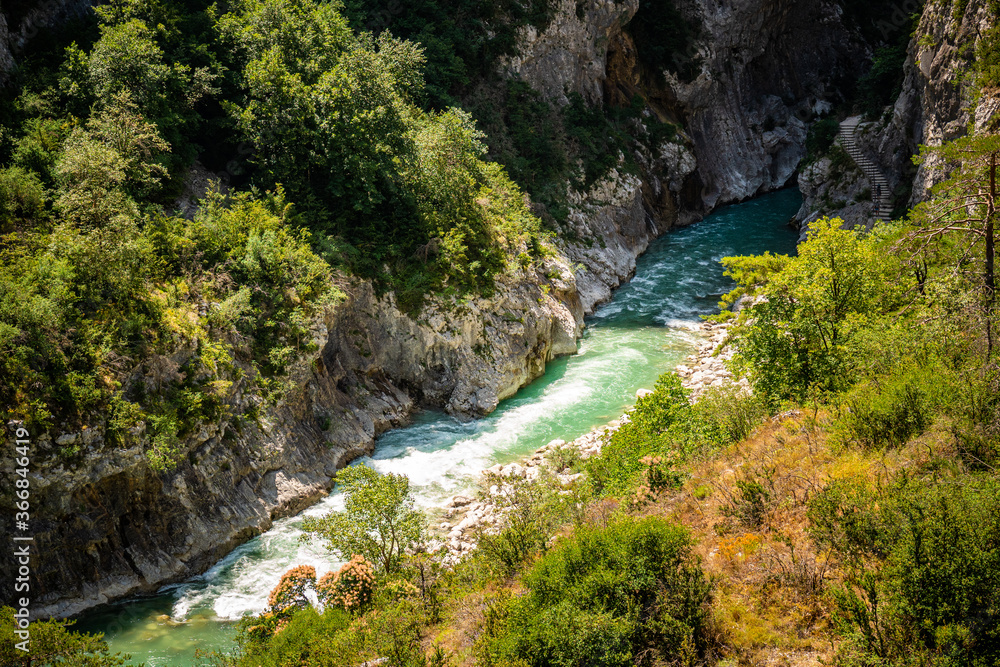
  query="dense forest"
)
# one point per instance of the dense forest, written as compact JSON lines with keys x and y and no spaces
{"x":847,"y":507}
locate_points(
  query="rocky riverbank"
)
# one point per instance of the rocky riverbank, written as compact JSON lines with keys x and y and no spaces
{"x":464,"y":517}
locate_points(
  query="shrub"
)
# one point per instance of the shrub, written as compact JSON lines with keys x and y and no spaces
{"x":922,"y":560}
{"x":889,"y":410}
{"x":751,"y":503}
{"x":52,"y":643}
{"x":530,"y":516}
{"x":604,"y":596}
{"x":22,"y":199}
{"x":646,"y":432}
{"x":291,"y":590}
{"x":271,"y":640}
{"x":664,"y":424}
{"x":350,"y":588}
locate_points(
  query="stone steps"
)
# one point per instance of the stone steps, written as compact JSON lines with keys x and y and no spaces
{"x":881,"y":205}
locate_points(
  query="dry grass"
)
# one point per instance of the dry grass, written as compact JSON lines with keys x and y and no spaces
{"x":771,"y":607}
{"x":770,"y":580}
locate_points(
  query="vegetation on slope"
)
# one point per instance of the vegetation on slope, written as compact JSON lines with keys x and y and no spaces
{"x":846,"y":511}
{"x":341,"y":170}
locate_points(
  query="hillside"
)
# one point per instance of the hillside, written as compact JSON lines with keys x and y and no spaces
{"x":242,"y":240}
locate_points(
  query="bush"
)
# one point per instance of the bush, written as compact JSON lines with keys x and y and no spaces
{"x":754,"y":497}
{"x":269,"y":640}
{"x":53,"y":643}
{"x":22,"y":199}
{"x":604,"y":596}
{"x":889,"y":410}
{"x":922,"y":561}
{"x":349,"y":588}
{"x":664,"y":424}
{"x":531,"y":513}
{"x":291,"y":590}
{"x":647,"y":431}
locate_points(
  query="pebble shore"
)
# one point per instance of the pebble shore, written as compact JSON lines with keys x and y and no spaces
{"x":464,"y":517}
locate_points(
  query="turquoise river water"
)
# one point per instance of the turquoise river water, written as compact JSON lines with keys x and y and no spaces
{"x":642,"y":332}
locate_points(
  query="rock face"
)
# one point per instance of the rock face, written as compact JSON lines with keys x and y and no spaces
{"x":571,"y":54}
{"x":935,"y":105}
{"x":20,"y":24}
{"x":767,"y":67}
{"x":106,"y":525}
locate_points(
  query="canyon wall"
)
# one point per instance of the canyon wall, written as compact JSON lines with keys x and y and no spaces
{"x":109,"y":526}
{"x":938,"y":102}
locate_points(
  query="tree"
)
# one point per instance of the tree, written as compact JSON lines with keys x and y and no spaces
{"x":378,"y":522}
{"x":53,"y":643}
{"x":798,"y":335}
{"x":965,"y":204}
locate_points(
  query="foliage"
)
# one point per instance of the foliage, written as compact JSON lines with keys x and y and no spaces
{"x":889,"y":411}
{"x":22,"y":199}
{"x":532,"y":510}
{"x":922,"y":578}
{"x":462,"y":40}
{"x":272,"y":641}
{"x":378,"y":521}
{"x":797,"y":337}
{"x":753,"y":500}
{"x":377,"y":166}
{"x":53,"y":643}
{"x":604,"y":596}
{"x":881,"y":85}
{"x":351,"y":587}
{"x":964,"y":205}
{"x":291,"y":590}
{"x":664,"y":424}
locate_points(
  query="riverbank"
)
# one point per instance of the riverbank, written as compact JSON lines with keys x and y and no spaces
{"x":463,"y":517}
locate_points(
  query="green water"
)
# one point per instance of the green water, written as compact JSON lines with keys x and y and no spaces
{"x":642,"y":332}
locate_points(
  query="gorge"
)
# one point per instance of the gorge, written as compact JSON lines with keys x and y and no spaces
{"x":512,"y":248}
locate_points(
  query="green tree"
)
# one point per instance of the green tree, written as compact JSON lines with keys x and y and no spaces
{"x":22,"y":199}
{"x":54,"y":643}
{"x":798,"y":335}
{"x":378,"y":522}
{"x":965,"y":205}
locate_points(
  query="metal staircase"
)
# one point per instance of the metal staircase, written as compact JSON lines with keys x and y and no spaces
{"x":881,"y":194}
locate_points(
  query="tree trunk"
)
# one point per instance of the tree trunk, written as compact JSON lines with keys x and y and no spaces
{"x":989,"y":276}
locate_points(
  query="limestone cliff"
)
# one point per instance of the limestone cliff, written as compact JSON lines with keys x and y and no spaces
{"x":107,"y":526}
{"x":937,"y":103}
{"x":767,"y":67}
{"x":20,"y":22}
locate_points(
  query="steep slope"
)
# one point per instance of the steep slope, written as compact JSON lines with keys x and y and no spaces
{"x":939,"y":101}
{"x":110,"y":526}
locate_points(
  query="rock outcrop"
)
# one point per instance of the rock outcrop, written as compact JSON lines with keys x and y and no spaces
{"x":107,"y":525}
{"x":571,"y":54}
{"x":767,"y":67}
{"x":20,"y":23}
{"x":936,"y":104}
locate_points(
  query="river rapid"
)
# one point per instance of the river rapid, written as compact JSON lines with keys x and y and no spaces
{"x":645,"y":330}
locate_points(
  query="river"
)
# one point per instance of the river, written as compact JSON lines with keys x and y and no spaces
{"x":643,"y":331}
